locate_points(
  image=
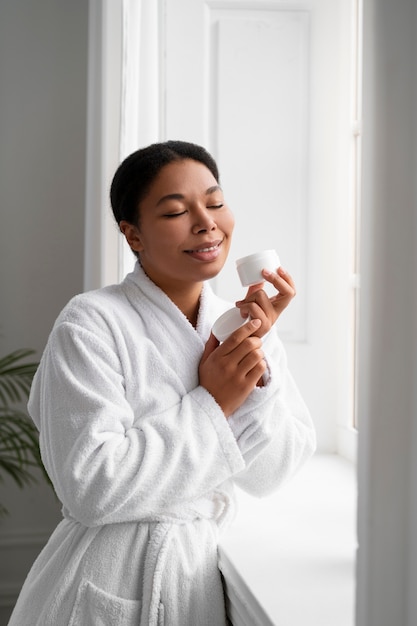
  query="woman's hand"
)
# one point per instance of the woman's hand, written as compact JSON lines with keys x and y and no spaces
{"x":230,"y":371}
{"x":259,"y":306}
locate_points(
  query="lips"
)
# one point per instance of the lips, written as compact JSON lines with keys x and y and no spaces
{"x":206,"y":247}
{"x":206,"y":252}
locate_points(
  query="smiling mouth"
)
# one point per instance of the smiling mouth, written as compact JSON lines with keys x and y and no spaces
{"x":215,"y":246}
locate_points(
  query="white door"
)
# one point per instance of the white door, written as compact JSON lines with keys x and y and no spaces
{"x":265,"y":87}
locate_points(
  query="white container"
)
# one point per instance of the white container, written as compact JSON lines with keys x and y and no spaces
{"x":250,"y":267}
{"x":227,"y":323}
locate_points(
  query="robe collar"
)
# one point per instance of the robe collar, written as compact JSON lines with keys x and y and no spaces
{"x":173,"y":334}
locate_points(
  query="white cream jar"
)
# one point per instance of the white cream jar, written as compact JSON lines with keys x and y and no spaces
{"x":250,"y":267}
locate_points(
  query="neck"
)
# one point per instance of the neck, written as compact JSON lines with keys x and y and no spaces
{"x":188,"y":302}
{"x":185,"y":295}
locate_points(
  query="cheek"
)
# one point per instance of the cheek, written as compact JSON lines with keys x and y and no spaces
{"x":159,"y":237}
{"x":229,"y":223}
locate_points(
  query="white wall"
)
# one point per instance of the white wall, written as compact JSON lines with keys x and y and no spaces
{"x":43,"y":81}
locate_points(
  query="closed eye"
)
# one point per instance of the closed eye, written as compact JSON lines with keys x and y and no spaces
{"x":215,"y":206}
{"x":175,"y":214}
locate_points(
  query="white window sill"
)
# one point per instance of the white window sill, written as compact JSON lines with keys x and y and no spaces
{"x":289,"y":559}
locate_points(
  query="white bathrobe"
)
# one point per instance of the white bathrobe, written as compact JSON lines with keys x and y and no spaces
{"x":144,"y":460}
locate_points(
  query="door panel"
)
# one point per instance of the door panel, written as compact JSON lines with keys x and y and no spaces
{"x":265,"y":87}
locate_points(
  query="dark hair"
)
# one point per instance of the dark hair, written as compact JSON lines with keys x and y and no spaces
{"x":136,"y":173}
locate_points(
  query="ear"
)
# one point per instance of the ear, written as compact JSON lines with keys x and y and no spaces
{"x":132,"y":235}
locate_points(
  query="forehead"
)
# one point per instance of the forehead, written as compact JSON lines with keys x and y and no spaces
{"x":182,"y":176}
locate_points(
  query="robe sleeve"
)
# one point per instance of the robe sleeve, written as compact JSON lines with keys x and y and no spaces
{"x":273,"y":428}
{"x":107,"y":465}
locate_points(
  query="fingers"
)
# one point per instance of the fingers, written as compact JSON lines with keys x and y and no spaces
{"x":231,"y":370}
{"x":258,"y":305}
{"x":243,"y":352}
{"x":239,"y":335}
{"x":253,"y":365}
{"x":283,"y":283}
{"x":281,"y":280}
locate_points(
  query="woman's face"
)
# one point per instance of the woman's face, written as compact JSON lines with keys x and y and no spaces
{"x":185,"y":226}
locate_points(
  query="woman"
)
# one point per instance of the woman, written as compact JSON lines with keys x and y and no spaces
{"x":147,"y":423}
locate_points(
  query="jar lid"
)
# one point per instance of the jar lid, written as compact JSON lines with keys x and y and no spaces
{"x":227,"y":323}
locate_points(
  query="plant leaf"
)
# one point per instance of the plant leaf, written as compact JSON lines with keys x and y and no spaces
{"x":16,"y":377}
{"x":19,"y":446}
{"x":19,"y":437}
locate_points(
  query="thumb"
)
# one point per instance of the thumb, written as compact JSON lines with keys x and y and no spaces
{"x":253,"y":288}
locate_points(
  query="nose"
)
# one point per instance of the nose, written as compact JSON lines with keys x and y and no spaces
{"x":204,"y":222}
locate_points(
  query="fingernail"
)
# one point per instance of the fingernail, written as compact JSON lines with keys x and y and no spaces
{"x":255,"y":323}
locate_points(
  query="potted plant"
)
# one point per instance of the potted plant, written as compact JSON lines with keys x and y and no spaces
{"x":19,"y":437}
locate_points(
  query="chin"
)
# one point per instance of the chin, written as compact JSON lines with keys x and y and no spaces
{"x":212,"y":270}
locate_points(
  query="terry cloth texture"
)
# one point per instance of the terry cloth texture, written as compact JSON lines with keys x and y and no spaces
{"x":144,"y":461}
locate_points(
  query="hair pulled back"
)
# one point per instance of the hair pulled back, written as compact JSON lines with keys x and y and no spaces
{"x":136,"y":173}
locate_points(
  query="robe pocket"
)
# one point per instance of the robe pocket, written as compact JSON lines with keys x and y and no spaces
{"x":96,"y":607}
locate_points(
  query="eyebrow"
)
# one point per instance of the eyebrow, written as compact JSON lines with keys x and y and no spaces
{"x":180,"y":196}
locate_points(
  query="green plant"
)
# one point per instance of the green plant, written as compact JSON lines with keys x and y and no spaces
{"x":19,"y":440}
